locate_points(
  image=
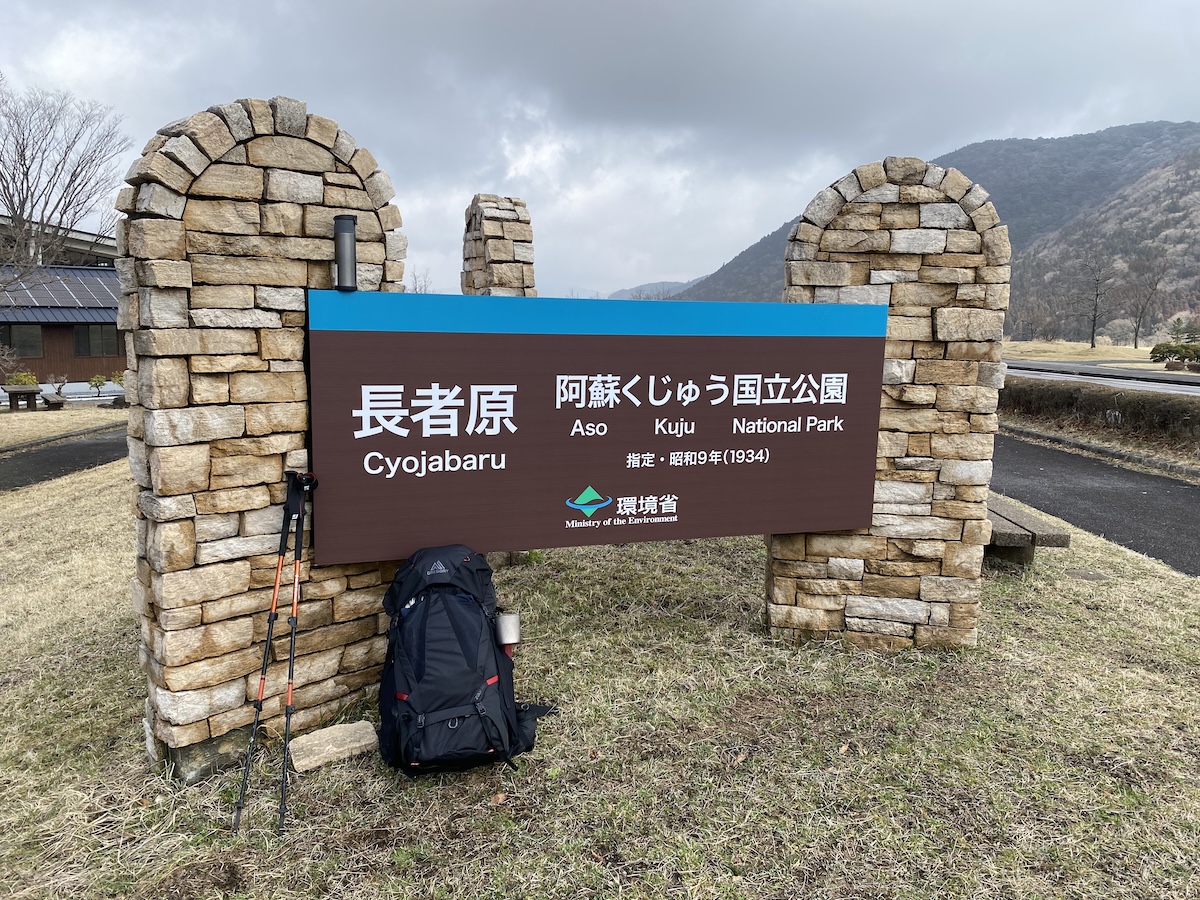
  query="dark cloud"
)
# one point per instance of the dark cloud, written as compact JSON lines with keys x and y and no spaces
{"x":652,"y":139}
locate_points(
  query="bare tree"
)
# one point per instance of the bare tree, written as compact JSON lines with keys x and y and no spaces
{"x":1093,"y":299}
{"x":1147,"y":270}
{"x":9,"y":362}
{"x":420,"y":281}
{"x":57,"y":171}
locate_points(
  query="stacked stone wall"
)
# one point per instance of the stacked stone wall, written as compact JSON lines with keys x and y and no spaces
{"x":498,"y":248}
{"x":927,"y":242}
{"x":229,"y":221}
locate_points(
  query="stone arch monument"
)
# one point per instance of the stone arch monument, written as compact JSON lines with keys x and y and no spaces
{"x":926,"y":241}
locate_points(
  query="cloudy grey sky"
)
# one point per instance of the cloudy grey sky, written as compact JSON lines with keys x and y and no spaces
{"x":652,"y":139}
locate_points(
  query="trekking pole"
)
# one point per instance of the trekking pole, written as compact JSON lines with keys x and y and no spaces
{"x":290,"y":512}
{"x":306,"y":483}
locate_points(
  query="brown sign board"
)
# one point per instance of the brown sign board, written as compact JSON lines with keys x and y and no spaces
{"x":517,"y":423}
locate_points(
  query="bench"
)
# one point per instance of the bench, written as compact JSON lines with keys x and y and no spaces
{"x":18,"y":392}
{"x":54,"y":401}
{"x":1017,"y":533}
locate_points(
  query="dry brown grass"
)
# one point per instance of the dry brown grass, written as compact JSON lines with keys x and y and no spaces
{"x":692,"y":758}
{"x":1072,"y":351}
{"x":25,"y":425}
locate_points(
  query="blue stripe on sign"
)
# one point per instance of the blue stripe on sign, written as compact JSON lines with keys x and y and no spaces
{"x":454,"y":314}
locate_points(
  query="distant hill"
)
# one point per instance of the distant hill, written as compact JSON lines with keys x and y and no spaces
{"x":1038,"y":186}
{"x":654,"y":290}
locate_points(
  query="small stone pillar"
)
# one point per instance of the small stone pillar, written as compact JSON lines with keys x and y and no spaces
{"x":926,"y":241}
{"x":498,"y":248}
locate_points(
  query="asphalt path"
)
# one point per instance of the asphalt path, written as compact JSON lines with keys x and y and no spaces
{"x":1107,"y":374}
{"x":28,"y":467}
{"x":1151,"y":514}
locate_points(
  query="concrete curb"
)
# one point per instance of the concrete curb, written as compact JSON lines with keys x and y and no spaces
{"x":1125,"y":455}
{"x":40,"y":442}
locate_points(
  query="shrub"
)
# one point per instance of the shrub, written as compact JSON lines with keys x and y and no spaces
{"x":118,"y":377}
{"x":1174,"y":417}
{"x":96,"y":382}
{"x":25,"y":378}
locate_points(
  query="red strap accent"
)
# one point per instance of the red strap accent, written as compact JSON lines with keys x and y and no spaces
{"x":400,"y":696}
{"x":493,"y":679}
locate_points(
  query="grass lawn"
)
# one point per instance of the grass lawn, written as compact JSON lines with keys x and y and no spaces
{"x":17,"y":427}
{"x":1074,"y":351}
{"x":693,"y":757}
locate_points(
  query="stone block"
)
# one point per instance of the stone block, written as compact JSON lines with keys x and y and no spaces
{"x":962,"y":471}
{"x":996,"y":246}
{"x":230,"y":363}
{"x":164,"y":509}
{"x":155,"y":239}
{"x":379,"y":188}
{"x":892,"y":276}
{"x":183,"y":707}
{"x":208,"y":269}
{"x":909,"y":328}
{"x":269,"y":418}
{"x":871,"y":175}
{"x":179,"y":470}
{"x":331,"y":636}
{"x":221,"y":296}
{"x":163,"y":273}
{"x":162,"y":382}
{"x":903,"y":492}
{"x":332,"y":744}
{"x":995,"y":275}
{"x":879,"y":627}
{"x":358,"y":604}
{"x":918,"y":240}
{"x":946,"y":275}
{"x":171,"y":546}
{"x":823,"y":207}
{"x":267,"y":387}
{"x":235,"y":318}
{"x":229,"y":500}
{"x":904,"y":169}
{"x":154,"y":167}
{"x":236,"y":548}
{"x":187,"y":587}
{"x":786,"y":546}
{"x":294,"y":187}
{"x":347,"y":197}
{"x":389,"y":218}
{"x":830,"y":274}
{"x":163,"y":307}
{"x":287,"y":152}
{"x":885,"y":193}
{"x":916,"y":194}
{"x":940,"y":589}
{"x":322,"y":130}
{"x":944,"y":215}
{"x":958,"y":324}
{"x":171,"y":427}
{"x":803,"y":618}
{"x":215,"y":527}
{"x":318,"y":222}
{"x":243,"y":471}
{"x":900,"y":216}
{"x":177,"y":648}
{"x":970,"y":398}
{"x":963,"y":560}
{"x":847,"y":546}
{"x":848,"y":186}
{"x":222,"y":216}
{"x":282,"y":343}
{"x":158,"y":200}
{"x":974,"y":199}
{"x":209,"y":132}
{"x":845,"y":241}
{"x":181,"y":149}
{"x":363,"y":163}
{"x":938,"y":371}
{"x":955,"y":184}
{"x":258,"y":446}
{"x":236,"y":120}
{"x":918,"y":527}
{"x":858,"y":293}
{"x":291,"y":116}
{"x":282,"y":219}
{"x":893,"y":609}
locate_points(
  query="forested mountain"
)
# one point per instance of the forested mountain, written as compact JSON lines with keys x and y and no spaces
{"x":1125,"y":192}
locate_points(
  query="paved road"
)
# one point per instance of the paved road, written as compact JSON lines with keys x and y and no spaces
{"x":1107,"y":375}
{"x":1152,"y":514}
{"x":53,"y":460}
